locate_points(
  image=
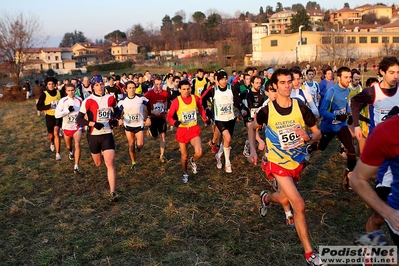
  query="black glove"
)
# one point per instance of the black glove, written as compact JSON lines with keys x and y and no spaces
{"x":71,"y":109}
{"x":98,"y":126}
{"x":341,"y":118}
{"x":208,"y":122}
{"x":176,"y":124}
{"x":350,"y":120}
{"x":113,"y":123}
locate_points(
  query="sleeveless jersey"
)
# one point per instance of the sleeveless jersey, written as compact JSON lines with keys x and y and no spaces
{"x":223,"y":102}
{"x":51,"y":100}
{"x":187,"y":113}
{"x":313,"y":91}
{"x":133,"y":112}
{"x":353,"y":92}
{"x":285,"y":147}
{"x":381,"y":106}
{"x":199,"y":86}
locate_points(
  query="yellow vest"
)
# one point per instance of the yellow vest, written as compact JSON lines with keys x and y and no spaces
{"x":139,"y":90}
{"x":353,"y":92}
{"x":187,"y":113}
{"x":51,"y":99}
{"x":199,"y":86}
{"x":285,"y":148}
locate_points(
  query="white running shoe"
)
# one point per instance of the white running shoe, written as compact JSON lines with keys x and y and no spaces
{"x":58,"y":157}
{"x":246,"y":150}
{"x":219,"y":164}
{"x":193,"y":165}
{"x":52,"y":147}
{"x":185,"y":178}
{"x":228,"y":169}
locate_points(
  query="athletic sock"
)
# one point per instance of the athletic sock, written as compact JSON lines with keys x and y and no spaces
{"x":226,"y":155}
{"x":308,"y":254}
{"x":288,"y":214}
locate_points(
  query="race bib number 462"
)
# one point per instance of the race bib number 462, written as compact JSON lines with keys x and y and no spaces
{"x":226,"y":109}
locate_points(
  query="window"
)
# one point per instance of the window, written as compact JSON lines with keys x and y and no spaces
{"x":272,"y":20}
{"x":351,"y":39}
{"x":395,"y":39}
{"x":48,"y":57}
{"x":339,"y":39}
{"x":362,"y":39}
{"x":374,"y":40}
{"x":56,"y":58}
{"x":385,"y":40}
{"x":273,"y":43}
{"x":326,"y":40}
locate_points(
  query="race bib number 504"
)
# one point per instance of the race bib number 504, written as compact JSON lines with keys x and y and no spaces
{"x":103,"y":115}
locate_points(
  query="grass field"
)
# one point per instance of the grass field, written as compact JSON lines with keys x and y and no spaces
{"x":49,"y":216}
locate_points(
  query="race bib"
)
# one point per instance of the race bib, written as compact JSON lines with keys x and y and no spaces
{"x":200,"y":90}
{"x":86,"y":94}
{"x":189,"y":116}
{"x":253,"y":112}
{"x":225,"y":109}
{"x":72,"y":119}
{"x":103,"y":114}
{"x":133,"y":118}
{"x":54,"y":104}
{"x":288,"y":138}
{"x":158,"y":108}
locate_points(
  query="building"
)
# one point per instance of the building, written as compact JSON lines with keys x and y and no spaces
{"x":346,"y":16}
{"x":315,"y":15}
{"x":280,"y":49}
{"x":124,"y":51}
{"x":86,"y":53}
{"x":43,"y":59}
{"x":281,"y":21}
{"x":379,"y":11}
{"x":258,"y":32}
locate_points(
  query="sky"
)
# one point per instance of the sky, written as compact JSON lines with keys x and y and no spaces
{"x":97,"y":18}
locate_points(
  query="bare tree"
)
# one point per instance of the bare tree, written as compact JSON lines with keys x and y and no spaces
{"x":389,"y":49}
{"x":336,"y":46}
{"x":17,"y":34}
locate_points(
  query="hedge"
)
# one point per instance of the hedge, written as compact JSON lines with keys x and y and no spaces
{"x":110,"y":66}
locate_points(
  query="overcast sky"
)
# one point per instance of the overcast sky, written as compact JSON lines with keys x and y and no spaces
{"x":98,"y":18}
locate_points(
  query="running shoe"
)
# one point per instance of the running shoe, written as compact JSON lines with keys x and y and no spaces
{"x":162,"y":158}
{"x":58,"y":157}
{"x":263,"y":205}
{"x":113,"y":197}
{"x":315,"y":260}
{"x":342,"y":151}
{"x":52,"y":147}
{"x":309,"y":150}
{"x":228,"y":169}
{"x":76,"y":170}
{"x":214,"y":147}
{"x":375,"y":238}
{"x":345,"y":181}
{"x":290,"y":221}
{"x":193,"y":165}
{"x":70,"y":156}
{"x":245,"y":152}
{"x":148,"y":133}
{"x":219,"y":164}
{"x":185,"y":178}
{"x":133,"y":167}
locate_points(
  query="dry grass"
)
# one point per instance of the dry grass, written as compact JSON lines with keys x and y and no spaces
{"x":49,"y":216}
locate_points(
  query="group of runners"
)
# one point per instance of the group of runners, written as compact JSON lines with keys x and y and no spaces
{"x":299,"y":116}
